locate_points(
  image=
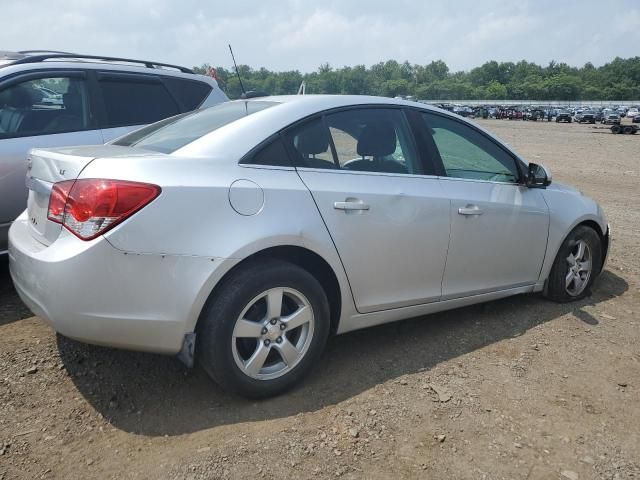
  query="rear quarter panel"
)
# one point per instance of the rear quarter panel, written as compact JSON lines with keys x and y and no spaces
{"x":193,"y":215}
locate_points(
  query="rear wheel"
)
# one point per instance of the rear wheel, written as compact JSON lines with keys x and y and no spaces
{"x":264,"y":329}
{"x":577,"y":264}
{"x":627,"y":130}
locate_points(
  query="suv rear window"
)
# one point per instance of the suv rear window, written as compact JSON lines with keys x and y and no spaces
{"x":190,"y":93}
{"x":135,"y":102}
{"x":168,"y":136}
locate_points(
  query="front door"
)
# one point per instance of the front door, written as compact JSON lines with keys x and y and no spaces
{"x":499,"y":227}
{"x":388,"y":220}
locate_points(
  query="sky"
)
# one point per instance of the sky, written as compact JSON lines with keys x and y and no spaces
{"x":303,"y":34}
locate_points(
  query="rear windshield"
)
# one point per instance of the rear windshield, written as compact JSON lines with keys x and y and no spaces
{"x":167,"y":136}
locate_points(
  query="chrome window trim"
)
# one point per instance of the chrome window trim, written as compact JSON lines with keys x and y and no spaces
{"x":478,"y":180}
{"x":265,"y":167}
{"x":358,"y":172}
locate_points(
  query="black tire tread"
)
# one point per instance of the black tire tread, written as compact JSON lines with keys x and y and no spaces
{"x":215,"y":326}
{"x":555,"y":283}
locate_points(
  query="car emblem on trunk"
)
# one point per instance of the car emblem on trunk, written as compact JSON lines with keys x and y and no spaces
{"x":34,"y":221}
{"x":62,"y":171}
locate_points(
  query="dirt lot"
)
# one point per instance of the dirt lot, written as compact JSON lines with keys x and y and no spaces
{"x":518,"y":388}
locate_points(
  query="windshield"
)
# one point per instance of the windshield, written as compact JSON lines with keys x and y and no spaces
{"x":167,"y":136}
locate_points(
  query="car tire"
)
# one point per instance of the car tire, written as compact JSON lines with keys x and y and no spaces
{"x":615,"y":129}
{"x":570,"y":120}
{"x":576,"y":266}
{"x":627,"y":130}
{"x":226,"y":344}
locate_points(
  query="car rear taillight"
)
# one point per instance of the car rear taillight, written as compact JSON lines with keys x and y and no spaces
{"x":89,"y":207}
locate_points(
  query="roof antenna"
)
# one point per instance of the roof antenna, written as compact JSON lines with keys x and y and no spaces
{"x":244,"y":93}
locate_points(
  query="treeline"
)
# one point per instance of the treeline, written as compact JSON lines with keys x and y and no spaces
{"x":617,"y":80}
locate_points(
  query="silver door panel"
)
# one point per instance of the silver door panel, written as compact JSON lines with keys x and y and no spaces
{"x":501,"y":245}
{"x":391,"y":232}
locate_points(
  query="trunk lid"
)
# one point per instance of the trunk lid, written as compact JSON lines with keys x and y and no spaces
{"x":46,"y":167}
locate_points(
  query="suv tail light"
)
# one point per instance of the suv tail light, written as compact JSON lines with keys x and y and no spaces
{"x":89,"y":207}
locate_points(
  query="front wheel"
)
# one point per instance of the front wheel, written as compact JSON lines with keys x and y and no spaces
{"x":577,"y":264}
{"x":264,"y":329}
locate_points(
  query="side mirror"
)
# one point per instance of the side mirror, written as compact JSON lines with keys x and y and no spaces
{"x":538,"y":176}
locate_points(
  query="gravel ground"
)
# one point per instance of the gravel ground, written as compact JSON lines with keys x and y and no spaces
{"x":517,"y":388}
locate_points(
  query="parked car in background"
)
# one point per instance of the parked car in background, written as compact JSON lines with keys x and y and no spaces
{"x":599,"y":115}
{"x":50,"y":99}
{"x":586,"y":116}
{"x":632,"y":112}
{"x":564,"y":116}
{"x":612,"y":119}
{"x":636,"y":119}
{"x":251,"y":230}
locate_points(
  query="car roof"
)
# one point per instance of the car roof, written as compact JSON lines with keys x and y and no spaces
{"x":235,"y":139}
{"x":14,"y":62}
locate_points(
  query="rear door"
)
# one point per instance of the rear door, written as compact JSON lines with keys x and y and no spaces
{"x":132,"y":100}
{"x":38,"y":110}
{"x":499,"y":227}
{"x":384,"y":211}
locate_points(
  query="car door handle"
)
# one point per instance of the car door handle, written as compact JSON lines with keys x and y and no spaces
{"x":470,"y":210}
{"x":351,"y":205}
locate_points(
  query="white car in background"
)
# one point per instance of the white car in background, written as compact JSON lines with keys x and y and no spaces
{"x":53,"y":99}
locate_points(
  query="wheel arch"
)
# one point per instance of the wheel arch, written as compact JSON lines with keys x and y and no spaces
{"x":604,"y":238}
{"x":587,"y":222}
{"x":303,"y":257}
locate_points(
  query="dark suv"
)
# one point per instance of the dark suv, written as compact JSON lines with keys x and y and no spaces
{"x":586,"y":117}
{"x":563,"y":116}
{"x":53,"y":99}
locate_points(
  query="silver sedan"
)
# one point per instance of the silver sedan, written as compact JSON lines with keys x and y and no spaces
{"x":243,"y":235}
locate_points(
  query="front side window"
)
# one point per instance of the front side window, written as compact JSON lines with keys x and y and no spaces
{"x":466,"y":153}
{"x":44,"y":106}
{"x":360,"y":139}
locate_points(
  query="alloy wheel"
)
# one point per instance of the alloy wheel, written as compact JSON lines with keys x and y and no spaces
{"x":273,"y":333}
{"x":580,"y":265}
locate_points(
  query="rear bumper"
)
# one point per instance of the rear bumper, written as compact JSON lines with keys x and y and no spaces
{"x":92,"y":292}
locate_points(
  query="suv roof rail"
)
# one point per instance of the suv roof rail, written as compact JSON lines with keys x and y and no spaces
{"x":63,"y":55}
{"x":31,"y":52}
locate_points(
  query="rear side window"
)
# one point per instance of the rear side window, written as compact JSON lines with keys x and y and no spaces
{"x":189,"y":93}
{"x":169,"y":136}
{"x":358,"y":139}
{"x":274,"y":154}
{"x":137,"y":102}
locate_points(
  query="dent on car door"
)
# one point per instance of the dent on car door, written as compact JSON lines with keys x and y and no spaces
{"x":50,"y":110}
{"x":389,"y":221}
{"x":499,"y":227}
